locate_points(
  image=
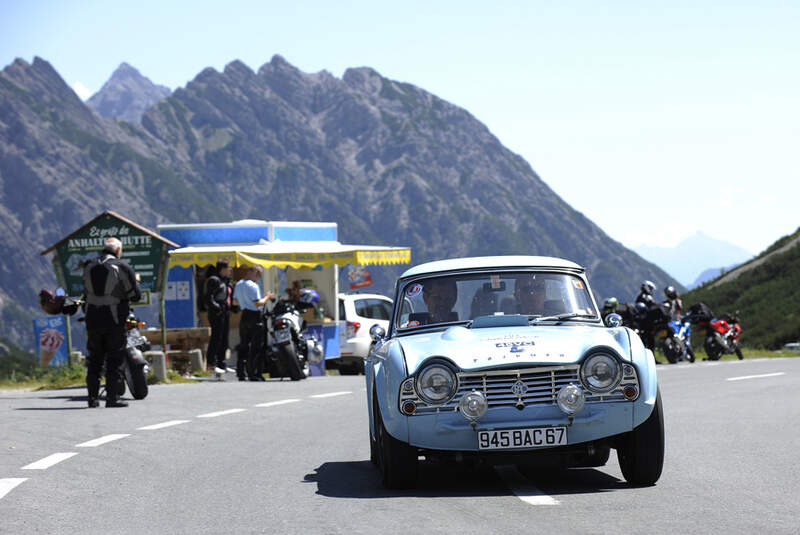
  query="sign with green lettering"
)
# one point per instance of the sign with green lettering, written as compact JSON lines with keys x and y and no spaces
{"x":144,"y":250}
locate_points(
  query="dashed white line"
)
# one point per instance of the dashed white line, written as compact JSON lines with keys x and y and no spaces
{"x":743,"y":377}
{"x":523,"y":488}
{"x":100,"y":441}
{"x":162,"y":425}
{"x":50,"y":460}
{"x":220,"y":413}
{"x":273,"y":403}
{"x":331,"y":394}
{"x":8,"y":484}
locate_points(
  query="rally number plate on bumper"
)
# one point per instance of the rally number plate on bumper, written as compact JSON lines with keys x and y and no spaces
{"x":532,"y":437}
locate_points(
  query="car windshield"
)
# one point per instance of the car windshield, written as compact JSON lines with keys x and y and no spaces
{"x":539,"y":295}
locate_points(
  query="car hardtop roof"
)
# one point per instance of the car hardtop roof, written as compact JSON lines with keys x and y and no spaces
{"x":479,"y":262}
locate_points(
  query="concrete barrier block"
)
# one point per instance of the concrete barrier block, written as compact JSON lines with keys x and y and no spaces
{"x":158,"y":361}
{"x":76,"y":357}
{"x":196,"y":360}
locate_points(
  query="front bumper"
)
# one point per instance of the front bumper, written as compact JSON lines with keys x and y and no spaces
{"x":450,"y":431}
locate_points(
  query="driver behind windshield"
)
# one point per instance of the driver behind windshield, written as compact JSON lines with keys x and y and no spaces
{"x":440,"y":296}
{"x":530,"y":292}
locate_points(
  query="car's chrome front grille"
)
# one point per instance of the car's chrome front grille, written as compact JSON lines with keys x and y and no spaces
{"x":518,"y":388}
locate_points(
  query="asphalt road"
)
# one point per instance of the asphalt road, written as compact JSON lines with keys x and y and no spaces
{"x":301,"y":465}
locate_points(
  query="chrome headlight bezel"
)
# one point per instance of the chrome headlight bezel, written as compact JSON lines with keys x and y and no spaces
{"x":436,"y":371}
{"x":609,"y":366}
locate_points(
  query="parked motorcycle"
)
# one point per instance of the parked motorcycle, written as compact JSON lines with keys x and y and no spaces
{"x":675,"y":342}
{"x":289,"y":348}
{"x":135,"y":368}
{"x":722,"y":337}
{"x":721,"y":333}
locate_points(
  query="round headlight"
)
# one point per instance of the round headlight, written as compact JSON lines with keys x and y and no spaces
{"x":473,"y":405}
{"x":436,"y":384}
{"x":601,"y":373}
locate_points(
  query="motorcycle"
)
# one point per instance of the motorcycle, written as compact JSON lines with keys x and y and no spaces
{"x":722,"y":337}
{"x":721,"y":333}
{"x":674,"y":338}
{"x":289,"y":348}
{"x":135,"y":368}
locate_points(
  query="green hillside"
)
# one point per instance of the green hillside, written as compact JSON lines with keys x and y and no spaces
{"x":765,"y":291}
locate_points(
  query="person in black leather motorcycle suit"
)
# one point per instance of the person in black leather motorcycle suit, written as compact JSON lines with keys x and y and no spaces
{"x":110,"y":285}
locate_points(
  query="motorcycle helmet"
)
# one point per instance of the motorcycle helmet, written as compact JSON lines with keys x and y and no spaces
{"x":308,"y":297}
{"x":648,"y":287}
{"x":51,"y":304}
{"x":671,"y":292}
{"x":611,"y":303}
{"x":641,"y":308}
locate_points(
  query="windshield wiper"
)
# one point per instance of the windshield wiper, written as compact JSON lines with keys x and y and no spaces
{"x":560,"y":317}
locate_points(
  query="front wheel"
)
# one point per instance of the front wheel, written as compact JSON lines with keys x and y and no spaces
{"x":287,"y":354}
{"x":713,"y":350}
{"x":738,"y":351}
{"x":137,"y":381}
{"x":397,"y":460}
{"x":641,"y":451}
{"x":690,"y":354}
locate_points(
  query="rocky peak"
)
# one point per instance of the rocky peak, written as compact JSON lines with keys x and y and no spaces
{"x":126,"y":95}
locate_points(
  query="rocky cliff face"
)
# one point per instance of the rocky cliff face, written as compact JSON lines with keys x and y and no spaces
{"x":391,"y":163}
{"x":126,"y":95}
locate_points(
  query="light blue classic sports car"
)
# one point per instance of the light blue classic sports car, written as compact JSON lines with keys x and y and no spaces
{"x":505,"y":359}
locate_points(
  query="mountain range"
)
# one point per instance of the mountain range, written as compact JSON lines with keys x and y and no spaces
{"x":390,"y":162}
{"x":695,"y":259}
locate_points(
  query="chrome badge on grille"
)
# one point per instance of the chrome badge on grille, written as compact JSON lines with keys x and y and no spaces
{"x":519,"y":388}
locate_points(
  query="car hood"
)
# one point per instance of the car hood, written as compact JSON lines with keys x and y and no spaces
{"x":474,"y":349}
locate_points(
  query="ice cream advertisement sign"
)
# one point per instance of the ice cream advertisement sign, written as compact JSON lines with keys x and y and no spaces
{"x":51,"y":334}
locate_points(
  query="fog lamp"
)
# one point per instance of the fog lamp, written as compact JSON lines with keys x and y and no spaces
{"x":473,"y":405}
{"x":570,"y":399}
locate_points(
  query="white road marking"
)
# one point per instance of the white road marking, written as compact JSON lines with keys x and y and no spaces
{"x":162,"y":425}
{"x":525,"y":491}
{"x":50,"y":460}
{"x":743,"y":377}
{"x":100,"y":441}
{"x":220,"y":413}
{"x":8,"y":484}
{"x":331,"y":394}
{"x":273,"y":403}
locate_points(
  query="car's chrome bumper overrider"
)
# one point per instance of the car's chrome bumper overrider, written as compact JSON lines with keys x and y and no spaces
{"x":520,"y":388}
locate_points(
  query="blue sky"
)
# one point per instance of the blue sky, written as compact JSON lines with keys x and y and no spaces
{"x":654,"y":120}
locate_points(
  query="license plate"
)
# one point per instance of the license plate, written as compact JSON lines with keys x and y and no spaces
{"x":282,"y":335}
{"x":532,"y":437}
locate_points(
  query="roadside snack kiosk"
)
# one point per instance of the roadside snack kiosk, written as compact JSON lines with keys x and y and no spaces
{"x":293,"y":255}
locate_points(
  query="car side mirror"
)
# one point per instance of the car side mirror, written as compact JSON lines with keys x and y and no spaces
{"x":613,"y":320}
{"x":377,"y":332}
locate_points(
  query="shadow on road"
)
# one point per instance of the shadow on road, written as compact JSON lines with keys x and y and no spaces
{"x":572,"y":481}
{"x":360,"y":479}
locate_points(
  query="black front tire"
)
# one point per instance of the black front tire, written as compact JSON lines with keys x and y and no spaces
{"x":397,"y":461}
{"x":137,"y":382}
{"x":738,"y":351}
{"x":287,"y":354}
{"x":713,"y":351}
{"x":641,"y":451}
{"x":690,"y":354}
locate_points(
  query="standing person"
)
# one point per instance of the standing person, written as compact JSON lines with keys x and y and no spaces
{"x":247,"y":294}
{"x":110,"y":285}
{"x":646,"y":294}
{"x":218,"y":303}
